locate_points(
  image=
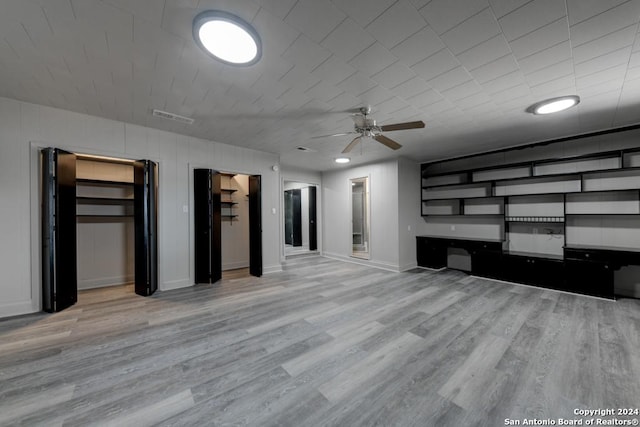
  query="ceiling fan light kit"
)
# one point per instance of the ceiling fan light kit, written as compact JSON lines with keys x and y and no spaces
{"x":365,"y":126}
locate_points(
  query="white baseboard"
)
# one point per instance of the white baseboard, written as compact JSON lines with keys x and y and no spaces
{"x":235,"y":265}
{"x":104,"y":282}
{"x":375,"y":264}
{"x":272,"y":269}
{"x":176,"y":284}
{"x":409,"y":266}
{"x":17,"y":309}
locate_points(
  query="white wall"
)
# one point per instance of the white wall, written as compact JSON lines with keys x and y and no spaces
{"x":409,"y":218}
{"x":24,"y":128}
{"x":384,"y":239}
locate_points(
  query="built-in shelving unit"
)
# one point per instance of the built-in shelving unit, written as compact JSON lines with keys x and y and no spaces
{"x":542,"y":208}
{"x":227,"y":202}
{"x":104,"y":198}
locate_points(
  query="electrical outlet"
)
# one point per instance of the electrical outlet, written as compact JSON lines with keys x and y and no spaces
{"x":453,"y":228}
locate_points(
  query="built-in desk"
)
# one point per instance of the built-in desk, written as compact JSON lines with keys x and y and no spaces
{"x":591,"y":270}
{"x":581,"y":269}
{"x":432,"y":251}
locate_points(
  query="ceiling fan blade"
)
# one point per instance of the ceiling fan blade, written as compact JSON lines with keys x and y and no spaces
{"x":402,"y":126}
{"x":335,"y":134}
{"x":352,"y":144}
{"x":387,"y":141}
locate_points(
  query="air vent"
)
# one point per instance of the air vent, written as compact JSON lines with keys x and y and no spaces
{"x":174,"y":117}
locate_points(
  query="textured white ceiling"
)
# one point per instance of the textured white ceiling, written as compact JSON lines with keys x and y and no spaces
{"x":467,"y":68}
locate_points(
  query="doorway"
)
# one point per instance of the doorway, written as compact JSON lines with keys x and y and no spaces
{"x":227,"y":225}
{"x":300,"y":218}
{"x":99,"y":225}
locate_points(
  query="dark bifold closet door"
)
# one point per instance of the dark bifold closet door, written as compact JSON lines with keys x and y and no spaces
{"x":207,"y":225}
{"x":255,"y":226}
{"x":59,"y":262}
{"x":313,"y":231}
{"x":145,"y":192}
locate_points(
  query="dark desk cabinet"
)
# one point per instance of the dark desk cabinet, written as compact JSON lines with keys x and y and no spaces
{"x":591,"y":271}
{"x":536,"y":271}
{"x":432,"y":253}
{"x":588,"y":271}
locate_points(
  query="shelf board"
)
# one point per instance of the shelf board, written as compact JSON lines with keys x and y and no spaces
{"x":228,"y":203}
{"x":535,"y":219}
{"x":621,"y":169}
{"x":597,"y":155}
{"x":602,"y":248}
{"x":465,"y":215}
{"x":474,"y":239}
{"x":229,"y":216}
{"x":228,"y":190}
{"x":227,"y":174}
{"x":499,"y":198}
{"x":554,"y":257}
{"x":102,"y":182}
{"x":602,"y":214}
{"x":548,"y":193}
{"x":102,"y":216}
{"x":461,"y":184}
{"x":86,"y":200}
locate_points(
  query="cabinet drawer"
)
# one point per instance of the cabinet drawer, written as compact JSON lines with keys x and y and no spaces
{"x":586,"y":255}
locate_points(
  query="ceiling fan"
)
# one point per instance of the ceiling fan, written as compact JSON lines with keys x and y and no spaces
{"x":366,"y":126}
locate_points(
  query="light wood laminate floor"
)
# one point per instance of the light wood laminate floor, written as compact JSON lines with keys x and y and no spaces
{"x":322,"y":343}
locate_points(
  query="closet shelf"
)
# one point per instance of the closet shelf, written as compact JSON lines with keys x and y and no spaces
{"x":93,"y":200}
{"x":230,"y":203}
{"x":228,"y":190}
{"x":102,"y":216}
{"x":102,"y":182}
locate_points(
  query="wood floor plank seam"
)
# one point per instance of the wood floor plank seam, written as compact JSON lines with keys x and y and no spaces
{"x":322,"y":343}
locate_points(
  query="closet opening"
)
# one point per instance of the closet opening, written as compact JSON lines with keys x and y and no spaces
{"x":99,"y":226}
{"x":227,"y":225}
{"x":105,"y":223}
{"x":234,"y":225}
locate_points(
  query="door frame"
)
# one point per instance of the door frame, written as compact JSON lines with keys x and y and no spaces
{"x":35,"y":220}
{"x":319,"y":215}
{"x":197,"y":165}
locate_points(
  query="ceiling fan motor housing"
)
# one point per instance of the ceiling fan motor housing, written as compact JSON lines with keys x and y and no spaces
{"x":370,"y":127}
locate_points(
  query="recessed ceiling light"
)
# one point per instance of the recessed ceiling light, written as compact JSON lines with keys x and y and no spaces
{"x":554,"y":105}
{"x":342,"y":160}
{"x":227,"y":37}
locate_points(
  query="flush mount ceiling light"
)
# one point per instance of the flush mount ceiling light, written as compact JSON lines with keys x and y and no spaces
{"x":342,"y":160}
{"x":227,"y":37}
{"x":554,"y":105}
